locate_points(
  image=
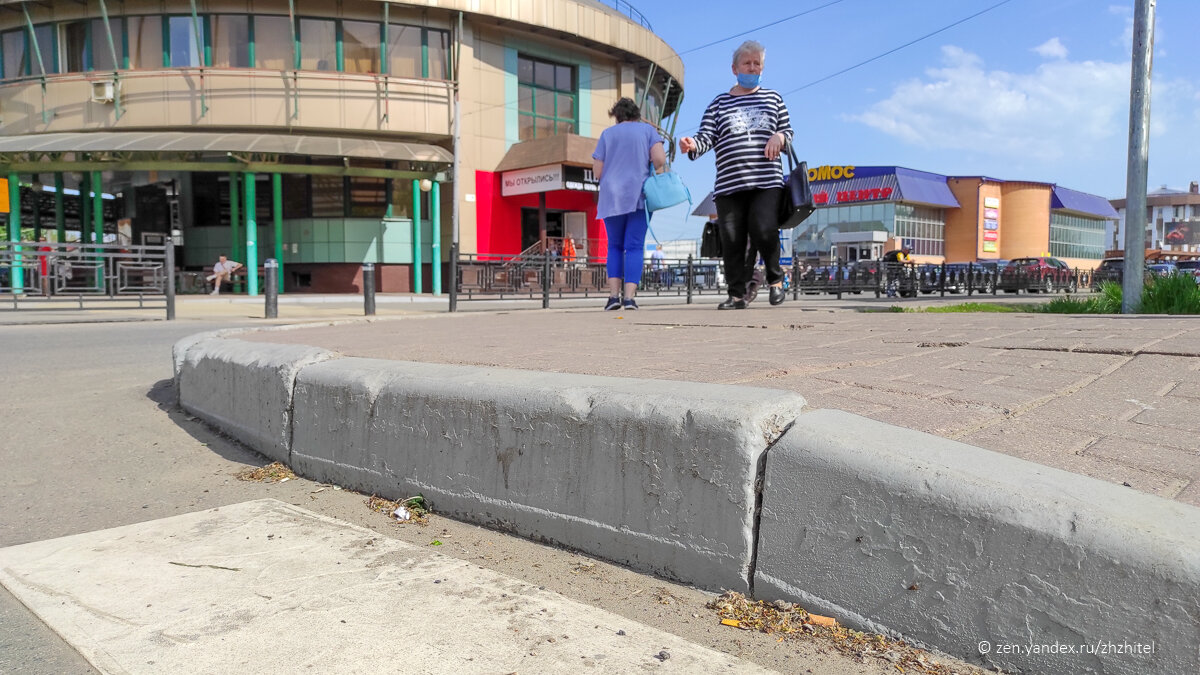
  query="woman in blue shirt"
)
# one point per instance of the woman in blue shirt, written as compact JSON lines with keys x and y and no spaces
{"x":621,"y":163}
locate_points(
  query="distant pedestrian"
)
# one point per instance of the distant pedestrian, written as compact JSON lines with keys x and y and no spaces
{"x":656,"y":263}
{"x":621,"y":163}
{"x":568,"y":251}
{"x":223,"y":271}
{"x":748,"y":127}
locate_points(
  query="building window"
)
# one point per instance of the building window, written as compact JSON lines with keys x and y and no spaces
{"x":922,"y":227}
{"x":404,"y":51}
{"x":273,"y":43}
{"x":74,"y":37}
{"x":651,"y":100}
{"x":546,"y":98}
{"x":185,"y":51}
{"x":318,"y":44}
{"x":437,"y":48}
{"x":49,"y":51}
{"x":12,"y":43}
{"x":231,"y":41}
{"x":368,"y":197}
{"x":145,"y":35}
{"x":360,"y":46}
{"x":102,"y":53}
{"x":1074,"y":236}
{"x":328,"y":192}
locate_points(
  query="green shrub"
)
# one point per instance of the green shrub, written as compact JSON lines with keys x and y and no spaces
{"x":1174,"y":294}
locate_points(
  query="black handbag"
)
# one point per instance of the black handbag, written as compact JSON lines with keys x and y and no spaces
{"x":797,"y":202}
{"x":710,"y":241}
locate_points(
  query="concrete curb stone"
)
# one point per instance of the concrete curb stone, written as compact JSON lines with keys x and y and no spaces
{"x":955,"y":546}
{"x":658,"y":475}
{"x":244,"y":388}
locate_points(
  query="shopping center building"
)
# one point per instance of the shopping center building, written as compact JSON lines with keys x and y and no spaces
{"x":865,"y":211}
{"x":319,"y":133}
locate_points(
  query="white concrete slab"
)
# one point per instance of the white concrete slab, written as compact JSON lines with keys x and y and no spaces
{"x":266,"y":587}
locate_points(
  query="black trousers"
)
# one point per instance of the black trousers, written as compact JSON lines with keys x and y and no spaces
{"x":753,"y":216}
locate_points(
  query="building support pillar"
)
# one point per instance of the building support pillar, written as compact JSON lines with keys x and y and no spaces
{"x":16,"y":273}
{"x":435,"y":221}
{"x":251,"y":238}
{"x":60,"y":211}
{"x":277,"y":213}
{"x":416,"y":214}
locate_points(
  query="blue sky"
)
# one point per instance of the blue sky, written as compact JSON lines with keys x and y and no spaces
{"x":1033,"y":90}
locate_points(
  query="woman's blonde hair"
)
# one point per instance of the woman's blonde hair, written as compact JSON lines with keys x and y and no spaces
{"x":749,"y":47}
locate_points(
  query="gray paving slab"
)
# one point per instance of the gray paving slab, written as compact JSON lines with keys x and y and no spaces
{"x":267,"y":587}
{"x":1043,"y":387}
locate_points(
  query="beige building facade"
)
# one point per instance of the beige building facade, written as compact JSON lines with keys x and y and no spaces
{"x":326,"y":135}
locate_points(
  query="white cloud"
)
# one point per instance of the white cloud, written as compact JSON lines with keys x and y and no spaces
{"x":1051,"y":49}
{"x":1061,"y":109}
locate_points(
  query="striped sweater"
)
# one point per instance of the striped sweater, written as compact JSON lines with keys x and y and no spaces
{"x":738,"y":127}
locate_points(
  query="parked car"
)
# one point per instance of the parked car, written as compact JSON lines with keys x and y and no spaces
{"x":1162,"y":269}
{"x":1043,"y":274}
{"x":1191,"y":267}
{"x":1110,"y":269}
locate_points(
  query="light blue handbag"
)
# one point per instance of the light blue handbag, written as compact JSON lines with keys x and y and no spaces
{"x":664,"y":190}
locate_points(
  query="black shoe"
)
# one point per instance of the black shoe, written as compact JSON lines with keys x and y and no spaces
{"x":613,"y":303}
{"x":732,"y":304}
{"x":630,"y":303}
{"x":778,"y":295}
{"x":751,"y":292}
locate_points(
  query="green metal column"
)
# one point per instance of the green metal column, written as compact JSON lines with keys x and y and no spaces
{"x":435,"y":222}
{"x":60,"y":211}
{"x":85,"y":214}
{"x":16,"y":274}
{"x":388,"y":186}
{"x":35,"y":195}
{"x":416,"y":214}
{"x":98,"y":224}
{"x":277,"y":212}
{"x":251,"y":238}
{"x":97,"y":207}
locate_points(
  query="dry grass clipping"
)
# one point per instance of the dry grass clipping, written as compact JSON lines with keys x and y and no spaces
{"x":793,"y":622}
{"x":271,"y":473}
{"x":387,"y":507}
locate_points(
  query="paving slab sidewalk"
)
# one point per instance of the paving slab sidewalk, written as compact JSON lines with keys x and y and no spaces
{"x":1113,"y":397}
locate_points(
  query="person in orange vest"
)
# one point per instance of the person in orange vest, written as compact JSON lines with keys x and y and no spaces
{"x":568,"y":251}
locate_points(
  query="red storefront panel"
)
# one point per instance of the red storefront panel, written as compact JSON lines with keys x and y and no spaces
{"x":498,"y":218}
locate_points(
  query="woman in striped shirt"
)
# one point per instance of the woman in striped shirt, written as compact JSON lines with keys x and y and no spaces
{"x":748,"y":127}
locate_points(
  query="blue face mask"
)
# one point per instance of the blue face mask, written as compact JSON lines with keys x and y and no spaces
{"x":748,"y":80}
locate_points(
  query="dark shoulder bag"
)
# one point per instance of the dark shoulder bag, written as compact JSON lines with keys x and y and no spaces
{"x":797,"y":202}
{"x":710,"y":241}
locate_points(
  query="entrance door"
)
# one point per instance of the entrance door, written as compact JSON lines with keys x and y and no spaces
{"x":575,"y":227}
{"x":529,"y":226}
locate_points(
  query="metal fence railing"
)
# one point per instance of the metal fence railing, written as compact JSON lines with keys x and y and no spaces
{"x":50,"y":275}
{"x":494,"y":277}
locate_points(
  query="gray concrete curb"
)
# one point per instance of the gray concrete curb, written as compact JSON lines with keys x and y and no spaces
{"x":657,"y":475}
{"x":955,"y":546}
{"x":244,"y":388}
{"x":886,"y":528}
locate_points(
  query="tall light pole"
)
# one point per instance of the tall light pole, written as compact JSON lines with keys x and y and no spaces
{"x":1139,"y":153}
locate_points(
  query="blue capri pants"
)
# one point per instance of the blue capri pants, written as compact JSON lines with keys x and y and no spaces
{"x":626,"y":246}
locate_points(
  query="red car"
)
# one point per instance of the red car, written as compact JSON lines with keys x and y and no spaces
{"x":1043,"y":274}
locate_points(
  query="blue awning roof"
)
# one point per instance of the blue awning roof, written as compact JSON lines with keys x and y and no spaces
{"x":1081,"y":202}
{"x":922,"y":187}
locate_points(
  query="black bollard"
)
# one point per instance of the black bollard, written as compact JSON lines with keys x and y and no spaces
{"x":368,"y":275}
{"x":691,"y":280}
{"x":271,"y":284}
